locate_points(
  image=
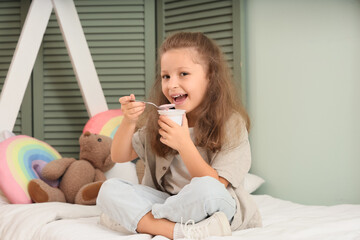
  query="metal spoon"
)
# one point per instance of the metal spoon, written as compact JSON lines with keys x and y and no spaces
{"x":161,"y":107}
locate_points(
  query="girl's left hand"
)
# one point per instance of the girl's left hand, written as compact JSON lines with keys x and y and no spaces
{"x":172,"y":134}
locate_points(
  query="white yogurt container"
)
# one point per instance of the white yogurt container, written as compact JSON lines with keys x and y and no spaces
{"x":174,"y":114}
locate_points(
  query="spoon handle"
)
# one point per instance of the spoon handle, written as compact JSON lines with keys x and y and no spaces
{"x":161,"y":107}
{"x":144,"y":102}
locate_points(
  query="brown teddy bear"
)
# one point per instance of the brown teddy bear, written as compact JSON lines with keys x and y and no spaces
{"x":80,"y":180}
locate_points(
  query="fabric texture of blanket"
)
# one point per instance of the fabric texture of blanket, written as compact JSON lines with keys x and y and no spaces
{"x":24,"y":221}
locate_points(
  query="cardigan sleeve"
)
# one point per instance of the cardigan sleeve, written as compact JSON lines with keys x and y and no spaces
{"x":233,"y":161}
{"x":138,"y":143}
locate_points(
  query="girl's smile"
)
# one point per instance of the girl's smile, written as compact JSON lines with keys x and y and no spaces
{"x":184,"y":81}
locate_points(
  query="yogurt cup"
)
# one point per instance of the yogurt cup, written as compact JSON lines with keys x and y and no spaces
{"x":174,"y":114}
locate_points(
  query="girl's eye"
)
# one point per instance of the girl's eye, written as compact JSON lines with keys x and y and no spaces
{"x":183,"y":74}
{"x":165,"y":77}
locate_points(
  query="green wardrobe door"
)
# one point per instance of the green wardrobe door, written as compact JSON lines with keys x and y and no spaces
{"x":214,"y":18}
{"x":123,"y":53}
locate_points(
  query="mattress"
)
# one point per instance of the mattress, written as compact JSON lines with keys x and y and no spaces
{"x":281,"y":220}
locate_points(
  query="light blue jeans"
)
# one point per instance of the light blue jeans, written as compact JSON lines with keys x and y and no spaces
{"x":127,"y":203}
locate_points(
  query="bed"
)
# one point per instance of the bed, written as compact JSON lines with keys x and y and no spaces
{"x":281,"y":220}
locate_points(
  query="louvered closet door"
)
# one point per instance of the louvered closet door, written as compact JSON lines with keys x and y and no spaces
{"x":220,"y":20}
{"x":12,"y":15}
{"x":123,"y":53}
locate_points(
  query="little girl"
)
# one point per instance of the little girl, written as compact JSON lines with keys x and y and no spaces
{"x":194,"y":173}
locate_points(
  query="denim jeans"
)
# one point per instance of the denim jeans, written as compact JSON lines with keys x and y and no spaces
{"x":127,"y":203}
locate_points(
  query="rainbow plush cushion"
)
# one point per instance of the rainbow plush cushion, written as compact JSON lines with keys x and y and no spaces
{"x":21,"y":159}
{"x":105,"y":123}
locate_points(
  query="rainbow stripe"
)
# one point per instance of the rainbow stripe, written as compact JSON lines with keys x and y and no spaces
{"x":105,"y":123}
{"x":18,"y":155}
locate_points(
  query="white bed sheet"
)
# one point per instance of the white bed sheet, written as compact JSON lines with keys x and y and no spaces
{"x":281,"y":220}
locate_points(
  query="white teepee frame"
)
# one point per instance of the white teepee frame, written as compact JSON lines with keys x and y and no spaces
{"x":27,"y":49}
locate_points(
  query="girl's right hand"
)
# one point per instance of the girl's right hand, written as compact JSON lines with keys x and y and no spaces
{"x":131,"y":109}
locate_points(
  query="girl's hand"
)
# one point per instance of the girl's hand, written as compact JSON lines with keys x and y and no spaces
{"x":131,"y":110}
{"x":172,"y":134}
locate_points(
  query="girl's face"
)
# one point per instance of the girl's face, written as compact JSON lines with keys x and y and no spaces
{"x":184,"y":81}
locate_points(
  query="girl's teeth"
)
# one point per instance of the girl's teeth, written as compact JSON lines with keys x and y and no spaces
{"x":180,"y":97}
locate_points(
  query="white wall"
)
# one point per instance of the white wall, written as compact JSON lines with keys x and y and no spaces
{"x":303,"y":79}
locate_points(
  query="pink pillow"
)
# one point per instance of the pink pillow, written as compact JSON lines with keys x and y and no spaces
{"x":105,"y":123}
{"x":21,"y":159}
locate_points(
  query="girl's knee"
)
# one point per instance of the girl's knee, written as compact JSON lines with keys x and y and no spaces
{"x":209,"y":186}
{"x":207,"y":183}
{"x":216,"y":197}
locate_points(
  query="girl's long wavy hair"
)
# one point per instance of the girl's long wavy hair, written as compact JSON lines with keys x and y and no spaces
{"x":221,"y":101}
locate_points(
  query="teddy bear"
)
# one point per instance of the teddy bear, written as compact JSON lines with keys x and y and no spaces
{"x":80,"y":180}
